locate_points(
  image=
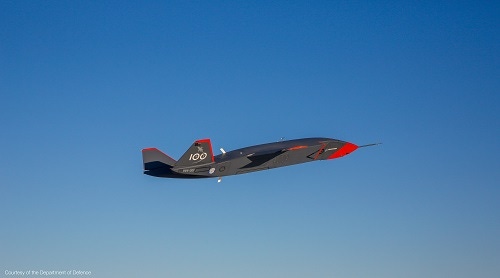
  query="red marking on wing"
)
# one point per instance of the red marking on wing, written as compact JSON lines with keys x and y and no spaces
{"x":297,"y":148}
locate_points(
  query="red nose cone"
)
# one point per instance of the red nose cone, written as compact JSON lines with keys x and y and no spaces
{"x":346,"y":149}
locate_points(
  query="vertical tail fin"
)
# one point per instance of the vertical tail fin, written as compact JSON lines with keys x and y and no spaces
{"x":200,"y":152}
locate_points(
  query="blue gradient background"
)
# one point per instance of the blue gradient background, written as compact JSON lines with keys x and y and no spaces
{"x":84,"y":86}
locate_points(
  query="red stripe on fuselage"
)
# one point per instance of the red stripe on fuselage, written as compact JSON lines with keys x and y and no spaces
{"x":320,"y":151}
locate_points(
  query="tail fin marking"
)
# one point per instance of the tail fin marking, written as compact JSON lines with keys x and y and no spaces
{"x":200,"y":152}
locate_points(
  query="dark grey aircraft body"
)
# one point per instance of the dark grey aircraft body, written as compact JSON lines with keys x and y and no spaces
{"x":199,"y":161}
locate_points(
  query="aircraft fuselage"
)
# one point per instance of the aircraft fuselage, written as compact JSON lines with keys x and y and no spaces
{"x":199,"y":161}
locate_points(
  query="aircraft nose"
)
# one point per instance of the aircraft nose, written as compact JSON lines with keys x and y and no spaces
{"x":346,"y":149}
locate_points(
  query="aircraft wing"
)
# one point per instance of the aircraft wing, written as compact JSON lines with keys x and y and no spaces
{"x":259,"y":159}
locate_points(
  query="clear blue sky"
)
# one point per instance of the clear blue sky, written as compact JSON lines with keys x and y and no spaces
{"x":85,"y":85}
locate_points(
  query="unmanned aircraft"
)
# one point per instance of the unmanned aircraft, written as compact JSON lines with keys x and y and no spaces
{"x":199,"y":161}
